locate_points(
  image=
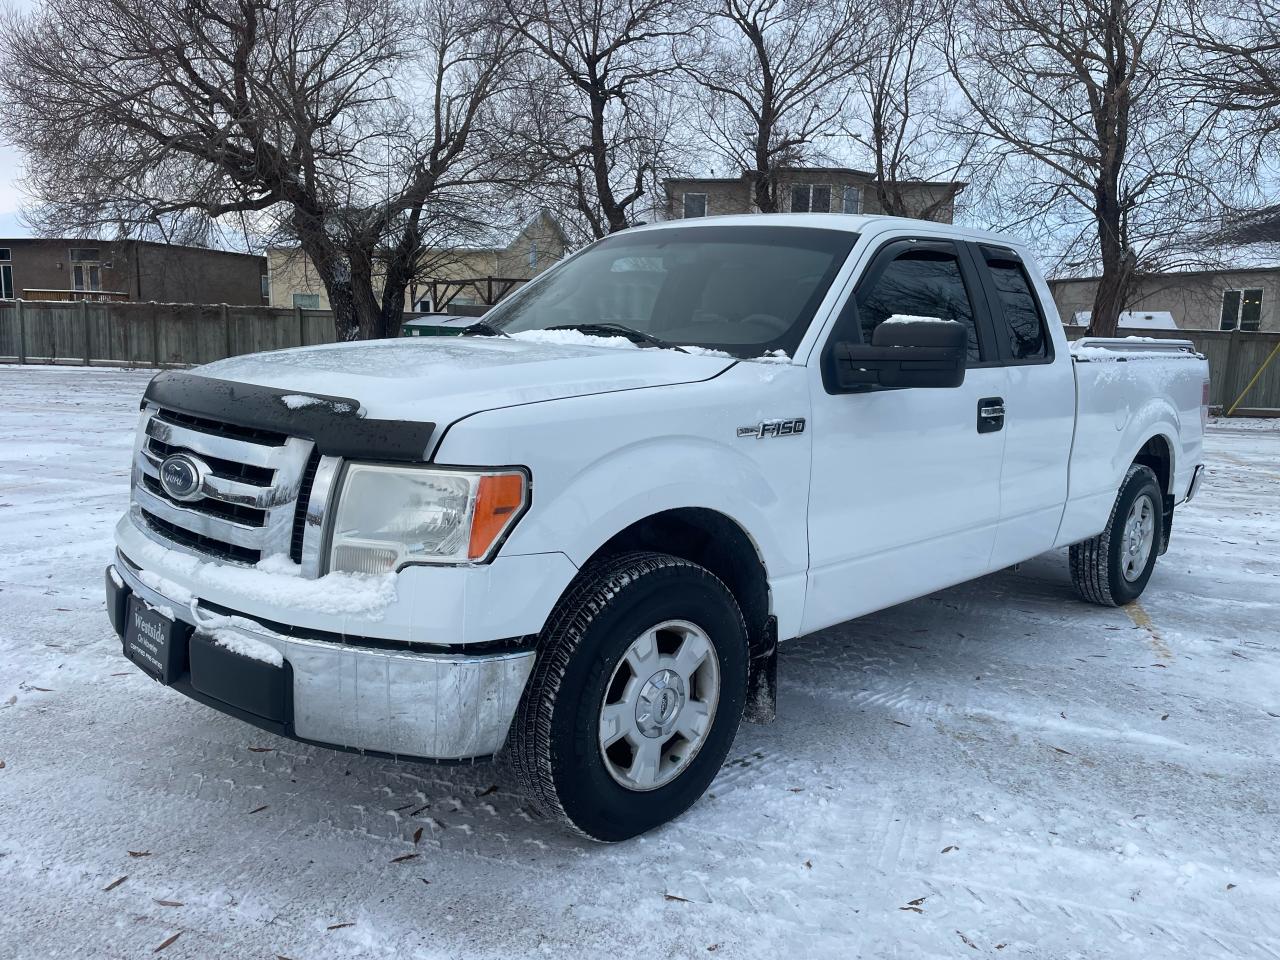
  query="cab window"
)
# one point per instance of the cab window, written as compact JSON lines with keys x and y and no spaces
{"x":920,"y":283}
{"x":1022,"y":323}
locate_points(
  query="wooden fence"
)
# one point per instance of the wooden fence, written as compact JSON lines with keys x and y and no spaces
{"x":151,"y":334}
{"x":185,"y":334}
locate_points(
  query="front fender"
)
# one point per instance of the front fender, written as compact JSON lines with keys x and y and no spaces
{"x":602,"y":463}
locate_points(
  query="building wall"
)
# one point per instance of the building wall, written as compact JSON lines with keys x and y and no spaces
{"x":169,"y":274}
{"x":291,"y":274}
{"x":138,"y":271}
{"x":539,"y":245}
{"x":734,"y":196}
{"x":45,"y":265}
{"x":1194,"y":298}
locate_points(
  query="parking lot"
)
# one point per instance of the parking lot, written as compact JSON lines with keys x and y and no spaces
{"x":997,"y":769}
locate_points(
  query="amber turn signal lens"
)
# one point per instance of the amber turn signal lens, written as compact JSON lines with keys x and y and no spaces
{"x":498,"y":502}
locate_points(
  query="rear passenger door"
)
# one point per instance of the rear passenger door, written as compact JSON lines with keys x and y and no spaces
{"x":904,"y":494}
{"x":1039,"y":408}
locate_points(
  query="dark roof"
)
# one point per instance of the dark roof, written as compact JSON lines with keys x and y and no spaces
{"x":90,"y":241}
{"x":1260,"y":226}
{"x":1205,"y":272}
{"x":850,"y":171}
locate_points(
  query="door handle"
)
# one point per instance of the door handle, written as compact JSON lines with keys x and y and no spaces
{"x":990,"y":414}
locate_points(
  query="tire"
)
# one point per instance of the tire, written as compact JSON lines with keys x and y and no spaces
{"x":1110,"y":569}
{"x":580,"y":684}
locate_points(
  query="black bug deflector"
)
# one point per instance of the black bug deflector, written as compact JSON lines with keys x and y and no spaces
{"x":334,"y":423}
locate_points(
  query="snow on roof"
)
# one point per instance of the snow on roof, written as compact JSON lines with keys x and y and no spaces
{"x":1133,"y":319}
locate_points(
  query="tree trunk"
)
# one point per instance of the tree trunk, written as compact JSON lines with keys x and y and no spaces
{"x":368,"y":310}
{"x":337,"y":285}
{"x":614,"y":214}
{"x":1117,"y":272}
{"x":764,"y":184}
{"x":400,"y":270}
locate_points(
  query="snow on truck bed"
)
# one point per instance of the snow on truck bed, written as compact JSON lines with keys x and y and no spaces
{"x":995,"y":770}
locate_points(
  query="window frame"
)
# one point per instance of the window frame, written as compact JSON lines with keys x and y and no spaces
{"x":1239,"y":323}
{"x":982,"y":254}
{"x":886,"y":253}
{"x":810,"y":187}
{"x":684,"y":205}
{"x":6,"y":280}
{"x":299,"y":306}
{"x":845,"y":190}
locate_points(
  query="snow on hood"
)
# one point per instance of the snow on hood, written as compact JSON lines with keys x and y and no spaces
{"x":443,"y":378}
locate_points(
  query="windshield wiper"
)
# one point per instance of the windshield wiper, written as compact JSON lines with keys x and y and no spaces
{"x":631,"y":333}
{"x":483,"y":328}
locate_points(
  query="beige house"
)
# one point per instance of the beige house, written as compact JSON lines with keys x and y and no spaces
{"x":454,"y":277}
{"x":806,"y":190}
{"x":1197,"y":299}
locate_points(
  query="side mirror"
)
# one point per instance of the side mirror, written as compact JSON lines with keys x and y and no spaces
{"x":904,"y":352}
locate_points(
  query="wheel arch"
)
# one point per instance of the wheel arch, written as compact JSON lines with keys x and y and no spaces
{"x":711,"y":539}
{"x":1157,"y":452}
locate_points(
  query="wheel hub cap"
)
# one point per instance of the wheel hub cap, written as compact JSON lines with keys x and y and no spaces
{"x":660,"y":701}
{"x":1139,"y":538}
{"x":659,"y":705}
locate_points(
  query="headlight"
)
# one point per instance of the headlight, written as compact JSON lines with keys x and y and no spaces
{"x":389,"y":516}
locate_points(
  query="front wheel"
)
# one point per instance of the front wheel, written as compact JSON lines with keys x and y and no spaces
{"x":1113,"y":568}
{"x":636,"y":696}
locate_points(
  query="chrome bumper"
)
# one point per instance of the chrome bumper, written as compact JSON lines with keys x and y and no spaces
{"x":403,"y":703}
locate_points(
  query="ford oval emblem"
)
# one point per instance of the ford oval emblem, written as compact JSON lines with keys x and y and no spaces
{"x":181,"y":477}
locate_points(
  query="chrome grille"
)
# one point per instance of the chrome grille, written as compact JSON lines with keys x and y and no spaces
{"x":250,"y":493}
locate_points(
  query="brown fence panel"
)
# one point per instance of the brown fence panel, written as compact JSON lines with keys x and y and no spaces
{"x":9,"y":347}
{"x":151,"y":334}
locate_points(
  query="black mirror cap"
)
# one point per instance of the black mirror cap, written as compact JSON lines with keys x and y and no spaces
{"x":910,"y":354}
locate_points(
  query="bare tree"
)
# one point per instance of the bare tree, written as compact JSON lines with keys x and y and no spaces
{"x":588,"y":110}
{"x":896,"y":114}
{"x":1232,"y":62}
{"x":1095,"y":137}
{"x":298,"y":115}
{"x":778,"y":74}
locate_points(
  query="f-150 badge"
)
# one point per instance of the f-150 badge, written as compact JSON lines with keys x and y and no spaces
{"x":773,"y":428}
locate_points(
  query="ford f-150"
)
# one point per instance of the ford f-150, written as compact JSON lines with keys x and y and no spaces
{"x":575,"y":536}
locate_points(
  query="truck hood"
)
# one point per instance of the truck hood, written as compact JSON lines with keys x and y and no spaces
{"x":440,"y":379}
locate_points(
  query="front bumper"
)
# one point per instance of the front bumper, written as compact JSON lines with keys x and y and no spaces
{"x":339,"y":692}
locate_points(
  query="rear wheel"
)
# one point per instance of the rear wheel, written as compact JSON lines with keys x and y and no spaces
{"x":1113,"y":568}
{"x":636,"y":696}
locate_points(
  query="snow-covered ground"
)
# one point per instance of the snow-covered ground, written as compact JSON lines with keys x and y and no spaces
{"x":995,"y":770}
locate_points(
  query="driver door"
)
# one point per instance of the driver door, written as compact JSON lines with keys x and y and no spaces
{"x":905,"y":487}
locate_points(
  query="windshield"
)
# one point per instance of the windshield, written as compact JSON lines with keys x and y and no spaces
{"x":745,"y":290}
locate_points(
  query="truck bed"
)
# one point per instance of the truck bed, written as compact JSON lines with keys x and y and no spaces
{"x":1131,"y":393}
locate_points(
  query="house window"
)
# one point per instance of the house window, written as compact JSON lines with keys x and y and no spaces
{"x":810,"y":198}
{"x":86,"y":276}
{"x":6,"y":274}
{"x":1241,"y":309}
{"x":85,"y":255}
{"x":307,"y":301}
{"x":533,"y":254}
{"x":851,"y":200}
{"x":266,"y":287}
{"x":695,"y":205}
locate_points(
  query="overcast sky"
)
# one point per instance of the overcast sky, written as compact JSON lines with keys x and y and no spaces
{"x":11,"y":166}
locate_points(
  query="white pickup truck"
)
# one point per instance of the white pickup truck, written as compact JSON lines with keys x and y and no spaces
{"x":575,"y":536}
